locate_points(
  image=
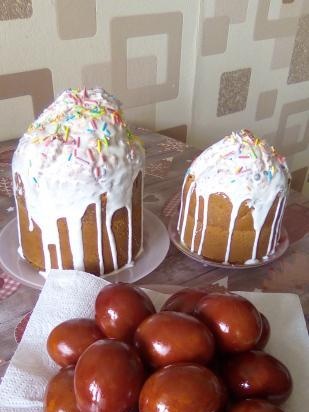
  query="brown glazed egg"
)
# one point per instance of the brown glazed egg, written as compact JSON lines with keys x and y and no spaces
{"x":182,"y":388}
{"x":265,"y":335}
{"x":108,"y":377}
{"x":67,"y":341}
{"x":254,"y":405}
{"x":256,"y":374}
{"x":183,"y":301}
{"x":170,"y":337}
{"x":234,"y":321}
{"x":120,"y":308}
{"x":59,"y":393}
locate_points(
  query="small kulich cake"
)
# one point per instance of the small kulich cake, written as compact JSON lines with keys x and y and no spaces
{"x":233,"y":199}
{"x":78,"y":183}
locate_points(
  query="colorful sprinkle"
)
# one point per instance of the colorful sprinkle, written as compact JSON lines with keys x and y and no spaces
{"x":35,"y":180}
{"x":281,"y":159}
{"x":99,"y":145}
{"x":116,"y":117}
{"x":90,"y":155}
{"x":93,"y":124}
{"x":96,"y":172}
{"x":253,"y":152}
{"x":229,"y":154}
{"x":66,"y":133}
{"x":105,"y":141}
{"x":70,"y":156}
{"x":82,"y":160}
{"x":90,"y":101}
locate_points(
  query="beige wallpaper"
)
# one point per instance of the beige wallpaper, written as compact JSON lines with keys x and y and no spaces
{"x":192,"y":68}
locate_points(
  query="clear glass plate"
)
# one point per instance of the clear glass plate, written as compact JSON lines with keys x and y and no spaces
{"x":282,"y":246}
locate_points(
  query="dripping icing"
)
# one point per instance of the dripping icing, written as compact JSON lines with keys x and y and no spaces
{"x":197,"y":204}
{"x":184,"y":221}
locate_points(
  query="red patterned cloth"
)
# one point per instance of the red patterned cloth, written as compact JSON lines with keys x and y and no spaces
{"x":7,"y":286}
{"x":20,"y":328}
{"x":171,"y":205}
{"x":6,"y":186}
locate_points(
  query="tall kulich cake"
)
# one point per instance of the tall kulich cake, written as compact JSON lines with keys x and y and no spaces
{"x":78,"y":183}
{"x":233,"y":199}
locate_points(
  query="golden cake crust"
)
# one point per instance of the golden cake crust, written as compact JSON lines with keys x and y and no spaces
{"x":216,"y":234}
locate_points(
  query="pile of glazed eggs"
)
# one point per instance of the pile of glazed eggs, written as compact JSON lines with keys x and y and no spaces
{"x":203,"y":352}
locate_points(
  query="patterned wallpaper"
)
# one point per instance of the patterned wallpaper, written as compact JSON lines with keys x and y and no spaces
{"x":194,"y":69}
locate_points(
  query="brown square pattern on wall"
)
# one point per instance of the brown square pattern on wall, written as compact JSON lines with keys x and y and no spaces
{"x":269,"y":29}
{"x":123,"y":28}
{"x":76,"y":18}
{"x":215,"y":35}
{"x":266,"y":104}
{"x":233,"y":93}
{"x":295,"y":144}
{"x":35,"y":83}
{"x":236,"y":10}
{"x":299,"y":66}
{"x":15,"y":9}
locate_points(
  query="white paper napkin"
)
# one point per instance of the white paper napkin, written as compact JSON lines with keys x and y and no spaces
{"x":69,"y":294}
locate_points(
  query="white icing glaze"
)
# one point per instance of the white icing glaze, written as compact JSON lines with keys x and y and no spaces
{"x":233,"y":217}
{"x":278,"y":229}
{"x":129,"y":210}
{"x":197,"y":202}
{"x":98,"y":213}
{"x":274,"y":224}
{"x":184,"y":222}
{"x":206,"y":199}
{"x":78,"y":149}
{"x":246,"y":169}
{"x":181,"y":205}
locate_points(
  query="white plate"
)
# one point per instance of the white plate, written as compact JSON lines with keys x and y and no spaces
{"x":282,"y":246}
{"x":156,"y":245}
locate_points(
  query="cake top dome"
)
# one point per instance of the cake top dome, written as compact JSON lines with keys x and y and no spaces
{"x":242,"y":163}
{"x":79,"y":148}
{"x":81,"y":132}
